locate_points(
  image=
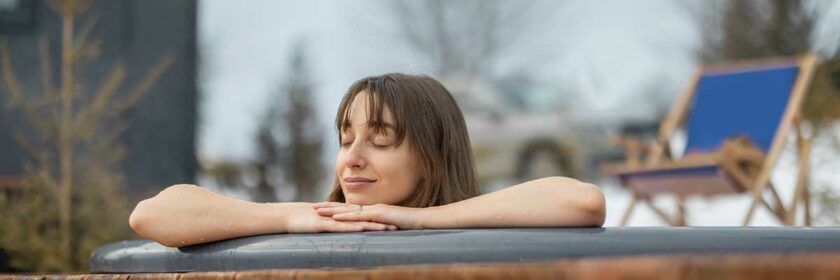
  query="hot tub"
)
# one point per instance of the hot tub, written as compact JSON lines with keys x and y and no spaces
{"x":419,"y":247}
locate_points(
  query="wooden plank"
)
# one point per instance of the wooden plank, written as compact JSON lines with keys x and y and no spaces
{"x":732,"y":154}
{"x":695,"y":184}
{"x":230,"y":275}
{"x":107,"y":277}
{"x":268,"y":274}
{"x":743,"y":266}
{"x":156,"y":276}
{"x":697,"y":161}
{"x":749,"y":64}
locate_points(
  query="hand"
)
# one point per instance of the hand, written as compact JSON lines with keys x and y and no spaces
{"x":397,"y":217}
{"x":306,"y":220}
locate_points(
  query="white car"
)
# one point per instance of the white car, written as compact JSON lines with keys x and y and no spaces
{"x":510,"y":143}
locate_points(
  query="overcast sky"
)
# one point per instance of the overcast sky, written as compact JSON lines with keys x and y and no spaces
{"x":607,"y":50}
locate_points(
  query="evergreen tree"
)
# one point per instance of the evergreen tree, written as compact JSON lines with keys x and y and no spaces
{"x":290,"y":137}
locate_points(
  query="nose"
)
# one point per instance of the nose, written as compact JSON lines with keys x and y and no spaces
{"x":355,"y":157}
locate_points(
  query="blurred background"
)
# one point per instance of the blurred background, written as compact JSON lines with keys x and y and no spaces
{"x":104,"y":103}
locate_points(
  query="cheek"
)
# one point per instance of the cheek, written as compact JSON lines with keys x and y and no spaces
{"x":338,"y":162}
{"x":414,"y":175}
{"x":338,"y":165}
{"x":405,"y":174}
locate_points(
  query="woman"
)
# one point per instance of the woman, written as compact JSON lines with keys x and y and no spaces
{"x":405,"y":163}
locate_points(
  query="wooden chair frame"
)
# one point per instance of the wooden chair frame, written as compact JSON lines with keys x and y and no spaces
{"x":658,"y":154}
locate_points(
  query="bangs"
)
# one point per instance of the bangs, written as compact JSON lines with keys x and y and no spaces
{"x":380,"y":93}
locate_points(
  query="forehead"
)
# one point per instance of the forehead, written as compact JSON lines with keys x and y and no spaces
{"x":366,"y":110}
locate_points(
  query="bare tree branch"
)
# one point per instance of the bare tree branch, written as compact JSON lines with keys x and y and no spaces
{"x":461,"y":38}
{"x":149,"y":79}
{"x":9,"y":77}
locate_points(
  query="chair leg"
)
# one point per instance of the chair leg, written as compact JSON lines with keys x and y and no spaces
{"x":680,"y":211}
{"x":750,"y":212}
{"x":757,"y":198}
{"x":629,"y":211}
{"x":665,"y":217}
{"x":803,"y":145}
{"x":806,"y":170}
{"x":790,"y":218}
{"x":778,"y":207}
{"x":801,"y":192}
{"x":807,"y":203}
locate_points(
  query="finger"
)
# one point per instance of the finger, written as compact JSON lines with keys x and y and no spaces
{"x":334,"y":226}
{"x":370,"y":226}
{"x":329,"y":211}
{"x":392,"y":227}
{"x":353,"y":216}
{"x":365,"y":216}
{"x":328,"y":204}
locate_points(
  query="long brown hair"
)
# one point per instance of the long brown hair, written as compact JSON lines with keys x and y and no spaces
{"x":426,"y":113}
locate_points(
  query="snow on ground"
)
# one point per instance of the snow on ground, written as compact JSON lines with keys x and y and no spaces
{"x":719,"y":211}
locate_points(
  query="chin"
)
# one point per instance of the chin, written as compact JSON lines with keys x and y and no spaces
{"x":357,"y":199}
{"x":364,"y":200}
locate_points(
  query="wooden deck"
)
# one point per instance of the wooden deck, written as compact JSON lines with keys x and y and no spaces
{"x":787,"y":266}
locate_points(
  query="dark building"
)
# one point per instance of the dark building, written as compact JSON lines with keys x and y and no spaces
{"x":161,"y":138}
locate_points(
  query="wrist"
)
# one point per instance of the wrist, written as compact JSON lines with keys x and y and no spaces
{"x":428,"y":218}
{"x":279,"y":216}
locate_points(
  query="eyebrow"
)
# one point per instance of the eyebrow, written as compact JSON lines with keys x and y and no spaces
{"x":385,"y":125}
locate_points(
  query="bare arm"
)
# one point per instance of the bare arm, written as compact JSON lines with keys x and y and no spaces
{"x":186,"y":214}
{"x":546,"y":202}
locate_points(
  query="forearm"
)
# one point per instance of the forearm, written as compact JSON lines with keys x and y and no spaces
{"x":184,"y":215}
{"x":547,"y":202}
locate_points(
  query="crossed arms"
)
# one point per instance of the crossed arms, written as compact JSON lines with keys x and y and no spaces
{"x":184,"y":215}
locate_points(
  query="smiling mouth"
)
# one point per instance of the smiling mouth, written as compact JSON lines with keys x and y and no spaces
{"x":357,"y":184}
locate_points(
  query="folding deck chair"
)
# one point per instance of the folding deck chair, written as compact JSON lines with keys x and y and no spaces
{"x":736,"y":120}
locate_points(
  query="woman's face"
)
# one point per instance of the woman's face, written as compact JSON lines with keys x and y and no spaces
{"x":371,"y":168}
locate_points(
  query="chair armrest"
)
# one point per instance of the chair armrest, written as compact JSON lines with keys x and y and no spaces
{"x":632,"y":147}
{"x":636,"y":149}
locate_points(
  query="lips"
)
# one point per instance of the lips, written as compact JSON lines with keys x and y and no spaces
{"x":357,"y":183}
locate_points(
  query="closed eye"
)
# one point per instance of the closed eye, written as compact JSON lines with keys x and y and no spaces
{"x":382,"y":141}
{"x":346,"y":143}
{"x":380,"y":146}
